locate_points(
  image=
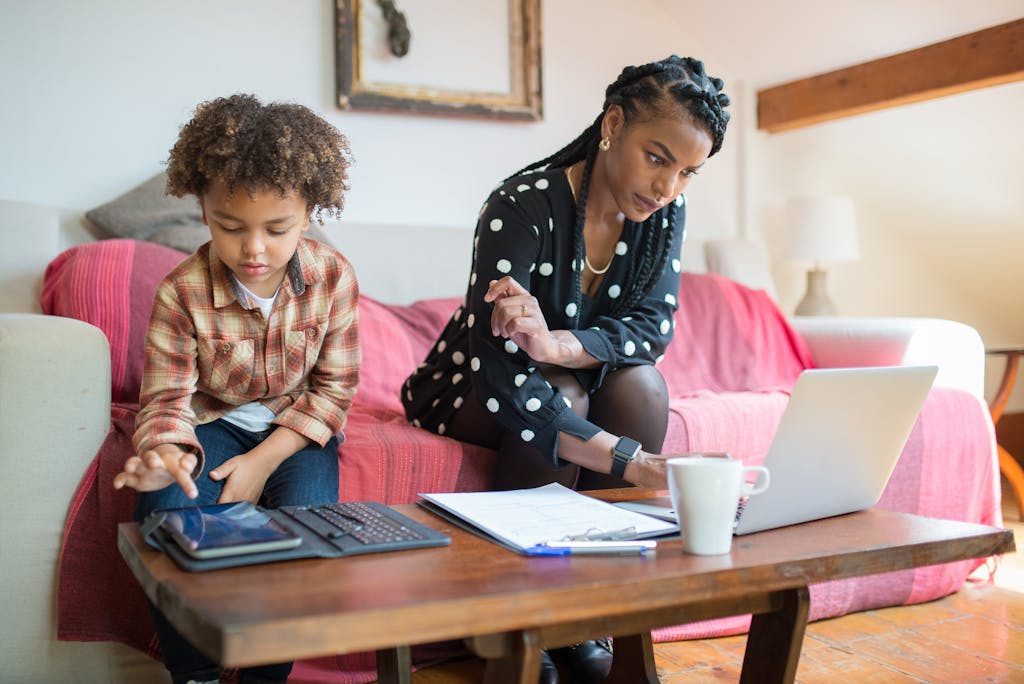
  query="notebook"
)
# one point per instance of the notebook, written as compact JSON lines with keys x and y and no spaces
{"x":219,"y":536}
{"x":835,"y":448}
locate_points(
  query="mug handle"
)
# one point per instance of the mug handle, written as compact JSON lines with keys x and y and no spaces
{"x":760,"y":484}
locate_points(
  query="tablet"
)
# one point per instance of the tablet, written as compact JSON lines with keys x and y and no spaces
{"x":223,"y":530}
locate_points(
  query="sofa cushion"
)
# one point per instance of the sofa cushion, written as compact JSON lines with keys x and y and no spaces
{"x":386,"y":459}
{"x":394,"y":340}
{"x":111,"y":285}
{"x":728,"y":338}
{"x":146,"y":213}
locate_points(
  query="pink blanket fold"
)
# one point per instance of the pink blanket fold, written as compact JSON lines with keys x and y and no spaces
{"x":98,"y":598}
{"x":730,"y":338}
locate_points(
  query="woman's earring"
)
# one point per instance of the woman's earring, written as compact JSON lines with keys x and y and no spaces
{"x":605,"y":144}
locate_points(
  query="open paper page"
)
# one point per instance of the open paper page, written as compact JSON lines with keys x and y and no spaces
{"x":522,"y":518}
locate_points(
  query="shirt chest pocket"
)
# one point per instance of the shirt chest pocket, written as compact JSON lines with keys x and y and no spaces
{"x":226,"y":367}
{"x":302,"y":349}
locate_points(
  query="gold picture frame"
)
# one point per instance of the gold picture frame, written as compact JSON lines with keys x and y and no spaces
{"x":455,"y":64}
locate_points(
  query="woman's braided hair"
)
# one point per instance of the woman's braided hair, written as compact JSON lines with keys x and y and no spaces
{"x":644,"y":92}
{"x":255,"y":146}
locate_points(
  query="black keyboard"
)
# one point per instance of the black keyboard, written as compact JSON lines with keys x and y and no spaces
{"x":365,"y":527}
{"x":367,"y":524}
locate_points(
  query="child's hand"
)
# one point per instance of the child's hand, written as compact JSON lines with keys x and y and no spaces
{"x":244,"y":478}
{"x":157,"y":468}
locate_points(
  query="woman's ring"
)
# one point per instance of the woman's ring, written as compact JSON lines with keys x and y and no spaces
{"x":524,"y":310}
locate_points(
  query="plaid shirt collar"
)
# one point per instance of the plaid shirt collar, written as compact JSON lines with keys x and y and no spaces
{"x":303,"y":268}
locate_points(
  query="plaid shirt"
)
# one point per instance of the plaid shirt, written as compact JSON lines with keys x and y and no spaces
{"x":209,"y":349}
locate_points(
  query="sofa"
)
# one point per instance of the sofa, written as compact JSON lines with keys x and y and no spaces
{"x":72,"y":312}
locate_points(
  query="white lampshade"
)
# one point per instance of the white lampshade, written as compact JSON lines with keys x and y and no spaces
{"x":821,"y":229}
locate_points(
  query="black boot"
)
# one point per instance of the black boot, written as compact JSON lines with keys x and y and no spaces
{"x":588,"y":662}
{"x":548,"y":669}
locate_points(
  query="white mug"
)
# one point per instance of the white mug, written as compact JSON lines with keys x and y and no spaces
{"x":706,"y":491}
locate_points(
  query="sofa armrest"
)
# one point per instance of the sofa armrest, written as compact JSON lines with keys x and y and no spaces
{"x":54,"y":415}
{"x":956,"y":348}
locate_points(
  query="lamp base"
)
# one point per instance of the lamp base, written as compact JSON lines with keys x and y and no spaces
{"x":816,"y":301}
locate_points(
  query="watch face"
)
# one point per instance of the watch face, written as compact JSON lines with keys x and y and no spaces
{"x":625,"y":451}
{"x":627,"y":448}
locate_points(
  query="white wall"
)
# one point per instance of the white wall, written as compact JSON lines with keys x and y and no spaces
{"x":94,"y":94}
{"x":937,"y":185}
{"x":938,"y":189}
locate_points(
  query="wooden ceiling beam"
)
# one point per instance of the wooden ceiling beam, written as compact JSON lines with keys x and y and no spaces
{"x":985,"y":58}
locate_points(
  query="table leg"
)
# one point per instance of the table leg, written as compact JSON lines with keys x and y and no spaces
{"x":394,"y":665}
{"x":1008,"y":465}
{"x":1013,"y":473}
{"x":512,"y":658}
{"x":633,"y":660}
{"x":773,"y":645}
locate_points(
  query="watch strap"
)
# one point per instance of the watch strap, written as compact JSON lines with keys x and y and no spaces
{"x":624,"y":451}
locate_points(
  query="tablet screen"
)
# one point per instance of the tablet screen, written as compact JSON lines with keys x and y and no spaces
{"x":227,"y":530}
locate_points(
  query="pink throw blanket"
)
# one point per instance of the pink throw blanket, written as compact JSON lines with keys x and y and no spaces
{"x":729,"y":371}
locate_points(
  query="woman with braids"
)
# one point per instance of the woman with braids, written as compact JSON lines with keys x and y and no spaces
{"x":575,"y":273}
{"x":252,"y":352}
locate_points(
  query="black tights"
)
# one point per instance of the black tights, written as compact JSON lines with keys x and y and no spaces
{"x":631,"y":402}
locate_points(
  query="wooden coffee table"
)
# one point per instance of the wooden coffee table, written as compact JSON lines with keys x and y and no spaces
{"x":508,"y":607}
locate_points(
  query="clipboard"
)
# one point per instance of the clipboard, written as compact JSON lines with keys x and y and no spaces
{"x":522,"y":519}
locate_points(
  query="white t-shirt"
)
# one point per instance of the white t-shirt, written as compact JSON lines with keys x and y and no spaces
{"x":254,"y":416}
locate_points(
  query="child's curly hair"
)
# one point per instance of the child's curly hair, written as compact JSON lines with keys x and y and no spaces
{"x":253,"y":146}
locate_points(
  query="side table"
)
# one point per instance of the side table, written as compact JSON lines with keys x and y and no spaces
{"x":1008,"y":465}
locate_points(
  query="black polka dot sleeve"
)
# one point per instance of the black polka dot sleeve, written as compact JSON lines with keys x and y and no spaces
{"x":515,"y":236}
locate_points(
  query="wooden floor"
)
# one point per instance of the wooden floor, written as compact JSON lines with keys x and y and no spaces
{"x":975,"y":635}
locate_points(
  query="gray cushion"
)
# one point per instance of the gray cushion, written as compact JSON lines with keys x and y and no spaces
{"x":146,"y":213}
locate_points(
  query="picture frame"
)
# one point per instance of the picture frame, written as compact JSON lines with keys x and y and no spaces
{"x":469,"y":58}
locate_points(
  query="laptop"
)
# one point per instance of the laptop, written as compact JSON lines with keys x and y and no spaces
{"x":836,"y":446}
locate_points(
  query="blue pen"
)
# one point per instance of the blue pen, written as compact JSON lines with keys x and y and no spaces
{"x":573,"y":548}
{"x":542,"y":550}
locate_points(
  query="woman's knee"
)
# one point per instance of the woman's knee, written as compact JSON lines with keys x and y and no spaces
{"x":633,"y":402}
{"x":644,"y":384}
{"x":571,"y":389}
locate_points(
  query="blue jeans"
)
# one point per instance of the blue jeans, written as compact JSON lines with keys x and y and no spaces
{"x":309,"y":476}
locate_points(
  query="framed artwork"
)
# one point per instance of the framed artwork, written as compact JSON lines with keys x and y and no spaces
{"x":474,"y":58}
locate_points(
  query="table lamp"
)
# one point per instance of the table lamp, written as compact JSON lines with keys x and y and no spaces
{"x":820,"y":229}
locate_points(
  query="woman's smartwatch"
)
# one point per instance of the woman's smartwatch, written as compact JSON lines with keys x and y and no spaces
{"x":623,"y":453}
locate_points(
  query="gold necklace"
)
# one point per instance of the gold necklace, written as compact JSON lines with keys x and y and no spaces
{"x":586,"y":260}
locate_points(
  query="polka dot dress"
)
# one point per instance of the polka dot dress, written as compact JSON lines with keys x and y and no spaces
{"x":525,"y":230}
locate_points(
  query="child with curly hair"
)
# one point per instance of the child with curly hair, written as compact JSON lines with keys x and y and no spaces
{"x":252,"y":352}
